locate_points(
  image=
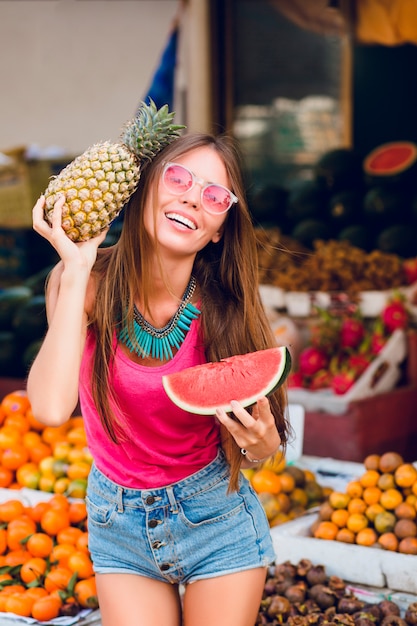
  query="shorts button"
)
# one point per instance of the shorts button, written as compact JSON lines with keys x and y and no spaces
{"x":164,"y":567}
{"x":149,"y":500}
{"x":153,"y":523}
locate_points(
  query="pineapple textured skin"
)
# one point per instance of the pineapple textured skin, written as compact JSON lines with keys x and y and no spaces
{"x":98,"y":183}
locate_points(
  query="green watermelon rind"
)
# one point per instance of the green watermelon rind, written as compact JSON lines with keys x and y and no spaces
{"x":273,"y":380}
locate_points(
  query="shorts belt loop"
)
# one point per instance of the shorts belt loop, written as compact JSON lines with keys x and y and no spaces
{"x":172,"y":501}
{"x":120,"y":499}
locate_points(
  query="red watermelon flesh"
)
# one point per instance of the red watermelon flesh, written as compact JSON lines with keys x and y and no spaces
{"x":245,"y":378}
{"x":391,"y":158}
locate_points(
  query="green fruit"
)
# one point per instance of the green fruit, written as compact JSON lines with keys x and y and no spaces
{"x":338,"y":169}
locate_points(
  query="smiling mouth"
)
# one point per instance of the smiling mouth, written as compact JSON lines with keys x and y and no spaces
{"x":180,"y":219}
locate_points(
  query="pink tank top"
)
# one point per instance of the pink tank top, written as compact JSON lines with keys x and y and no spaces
{"x":164,"y":444}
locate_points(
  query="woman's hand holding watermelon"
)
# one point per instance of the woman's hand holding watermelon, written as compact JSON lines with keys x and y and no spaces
{"x":255,"y":433}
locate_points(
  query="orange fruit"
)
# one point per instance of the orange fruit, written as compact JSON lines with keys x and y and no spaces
{"x":275,"y":463}
{"x":28,"y":475}
{"x":60,"y":553}
{"x":81,"y":469}
{"x":33,"y":422}
{"x":386,"y":481}
{"x":82,"y":542}
{"x":384,"y":522}
{"x":408,"y":545}
{"x":326,"y":530}
{"x":77,"y":512}
{"x":60,"y":502}
{"x":11,"y":509}
{"x":388,"y":541}
{"x":340,"y":517}
{"x":9,"y":437}
{"x":85,"y":593}
{"x":371,"y":462}
{"x":405,"y":510}
{"x":366,"y":537}
{"x":80,"y":563}
{"x":3,"y":540}
{"x":33,"y":570}
{"x":15,"y":402}
{"x":287,"y":482}
{"x":298,"y":497}
{"x":389,"y":461}
{"x":266,"y":480}
{"x":54,"y":520}
{"x":37,"y":510}
{"x":39,"y":451}
{"x":357,"y":505}
{"x":36,"y":592}
{"x":405,"y":528}
{"x":371,"y":495}
{"x":19,"y":530}
{"x":405,"y":475}
{"x":6,"y":477}
{"x":269,"y":503}
{"x":19,"y":604}
{"x":369,"y":478}
{"x":40,"y":545}
{"x":354,"y":489}
{"x":17,"y":421}
{"x":16,"y":557}
{"x":77,"y":437}
{"x":345,"y":535}
{"x":356,"y":522}
{"x":15,"y":456}
{"x":46,"y":609}
{"x":57,"y":578}
{"x":390,"y":499}
{"x":69,"y":534}
{"x":373,"y":510}
{"x":339,"y":500}
{"x":53,"y":434}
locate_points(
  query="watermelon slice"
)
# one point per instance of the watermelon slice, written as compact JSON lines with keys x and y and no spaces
{"x":245,"y":378}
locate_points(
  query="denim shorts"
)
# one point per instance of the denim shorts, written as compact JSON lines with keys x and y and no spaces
{"x":187,"y":531}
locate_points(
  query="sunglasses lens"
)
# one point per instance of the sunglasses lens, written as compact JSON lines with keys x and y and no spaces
{"x":177,"y":179}
{"x":216,"y":199}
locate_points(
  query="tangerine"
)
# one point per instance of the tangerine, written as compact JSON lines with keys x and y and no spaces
{"x":339,"y":500}
{"x":389,"y":541}
{"x":60,"y":553}
{"x":46,"y":608}
{"x":18,"y":421}
{"x":85,"y":593}
{"x":371,"y":495}
{"x":287,"y":482}
{"x":326,"y":530}
{"x":78,"y":512}
{"x":54,"y":520}
{"x":15,"y":402}
{"x":371,"y":462}
{"x":6,"y":477}
{"x":32,"y":570}
{"x":15,"y":456}
{"x":405,"y":510}
{"x":11,"y":509}
{"x":384,"y":522}
{"x":386,"y":481}
{"x":373,"y":510}
{"x":356,"y":522}
{"x":405,"y":475}
{"x":340,"y":517}
{"x":390,"y":499}
{"x":405,"y":528}
{"x":354,"y":489}
{"x":408,"y":545}
{"x":40,"y":545}
{"x":80,"y":563}
{"x":369,"y":478}
{"x":389,"y":461}
{"x":345,"y":535}
{"x":70,"y":534}
{"x":58,"y":577}
{"x":266,"y":480}
{"x":366,"y":537}
{"x":19,"y":604}
{"x":357,"y":505}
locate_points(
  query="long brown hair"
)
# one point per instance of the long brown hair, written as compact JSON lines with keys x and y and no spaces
{"x":233,"y":319}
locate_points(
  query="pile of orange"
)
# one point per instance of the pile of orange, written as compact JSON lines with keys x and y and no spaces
{"x":51,"y":459}
{"x":285,"y":491}
{"x":378,"y":508}
{"x":44,"y":558}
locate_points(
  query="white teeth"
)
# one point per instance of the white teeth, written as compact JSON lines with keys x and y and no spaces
{"x":182,"y":220}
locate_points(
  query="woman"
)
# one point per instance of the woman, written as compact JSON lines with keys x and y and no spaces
{"x":166,"y":501}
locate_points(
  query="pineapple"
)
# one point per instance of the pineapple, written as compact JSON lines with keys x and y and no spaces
{"x":99,"y":182}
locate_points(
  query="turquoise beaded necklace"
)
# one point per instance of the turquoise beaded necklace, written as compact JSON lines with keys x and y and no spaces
{"x":159,"y":342}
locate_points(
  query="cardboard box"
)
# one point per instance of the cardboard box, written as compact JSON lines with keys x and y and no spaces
{"x":15,"y":196}
{"x":356,"y":564}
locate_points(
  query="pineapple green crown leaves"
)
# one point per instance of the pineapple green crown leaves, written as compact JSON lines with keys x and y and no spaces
{"x":150,"y":131}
